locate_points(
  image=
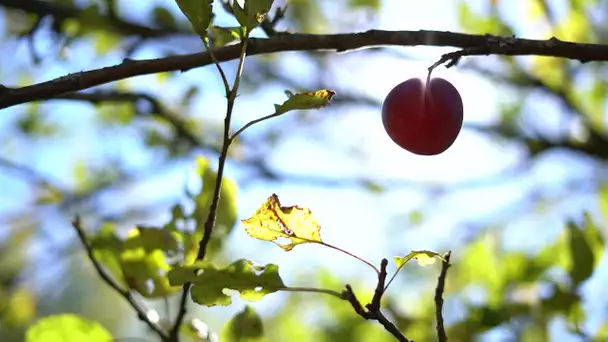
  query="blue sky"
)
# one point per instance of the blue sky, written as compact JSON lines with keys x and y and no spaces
{"x":366,"y":224}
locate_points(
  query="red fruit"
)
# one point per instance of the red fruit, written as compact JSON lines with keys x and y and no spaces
{"x":424,"y":119}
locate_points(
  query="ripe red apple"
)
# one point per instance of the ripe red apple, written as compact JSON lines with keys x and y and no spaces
{"x":422,"y":118}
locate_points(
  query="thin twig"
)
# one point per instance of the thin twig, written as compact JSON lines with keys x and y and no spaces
{"x":125,"y":293}
{"x":313,"y":289}
{"x":210,"y":223}
{"x":375,"y":304}
{"x":373,"y":308}
{"x":253,"y":122}
{"x":350,"y":296}
{"x":368,"y":263}
{"x":218,"y":66}
{"x":181,"y":313}
{"x":441,"y":334}
{"x":389,"y":326}
{"x":231,"y":95}
{"x":183,"y":302}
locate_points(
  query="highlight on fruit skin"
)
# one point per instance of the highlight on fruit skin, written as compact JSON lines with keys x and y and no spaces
{"x":424,"y":119}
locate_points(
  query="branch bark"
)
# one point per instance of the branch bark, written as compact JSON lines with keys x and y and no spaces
{"x":62,"y":12}
{"x":471,"y":45}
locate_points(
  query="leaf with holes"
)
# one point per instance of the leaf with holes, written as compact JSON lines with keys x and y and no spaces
{"x":252,"y":281}
{"x":272,"y":222}
{"x":306,"y":100}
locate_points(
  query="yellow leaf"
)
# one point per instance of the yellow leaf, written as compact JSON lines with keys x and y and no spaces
{"x":424,"y":258}
{"x":272,"y":222}
{"x":306,"y":100}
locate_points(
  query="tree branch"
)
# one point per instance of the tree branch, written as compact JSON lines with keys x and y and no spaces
{"x":181,"y":128}
{"x":474,"y":45}
{"x":372,"y":310}
{"x":441,"y":335}
{"x":125,"y":293}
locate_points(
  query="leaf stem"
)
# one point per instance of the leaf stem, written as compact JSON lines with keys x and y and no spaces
{"x":217,"y":64}
{"x":231,"y":95}
{"x":313,"y":289}
{"x":368,"y":263}
{"x":253,"y":122}
{"x":393,"y":277}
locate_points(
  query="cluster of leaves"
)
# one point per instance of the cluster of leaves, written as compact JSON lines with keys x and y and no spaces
{"x":141,"y":260}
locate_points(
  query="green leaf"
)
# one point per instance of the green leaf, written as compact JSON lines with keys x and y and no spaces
{"x":105,"y":42}
{"x":107,"y":248}
{"x":481,"y":264}
{"x":92,"y":18}
{"x":199,"y":13}
{"x":18,"y":309}
{"x":239,"y":14}
{"x":163,"y":17}
{"x":423,"y":257}
{"x":272,"y":222}
{"x":602,"y":332}
{"x":180,"y":275}
{"x":252,"y":14}
{"x":561,"y":300}
{"x":603,"y":199}
{"x":307,"y":100}
{"x":586,"y":248}
{"x":145,"y":266}
{"x":257,"y":9}
{"x":253,"y":282}
{"x":120,"y":114}
{"x":191,"y":246}
{"x":151,"y":239}
{"x":140,"y":261}
{"x":67,"y":328}
{"x":245,"y":326}
{"x":224,"y":35}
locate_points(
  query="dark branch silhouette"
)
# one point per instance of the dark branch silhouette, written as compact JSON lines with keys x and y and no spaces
{"x":472,"y":45}
{"x":60,"y":13}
